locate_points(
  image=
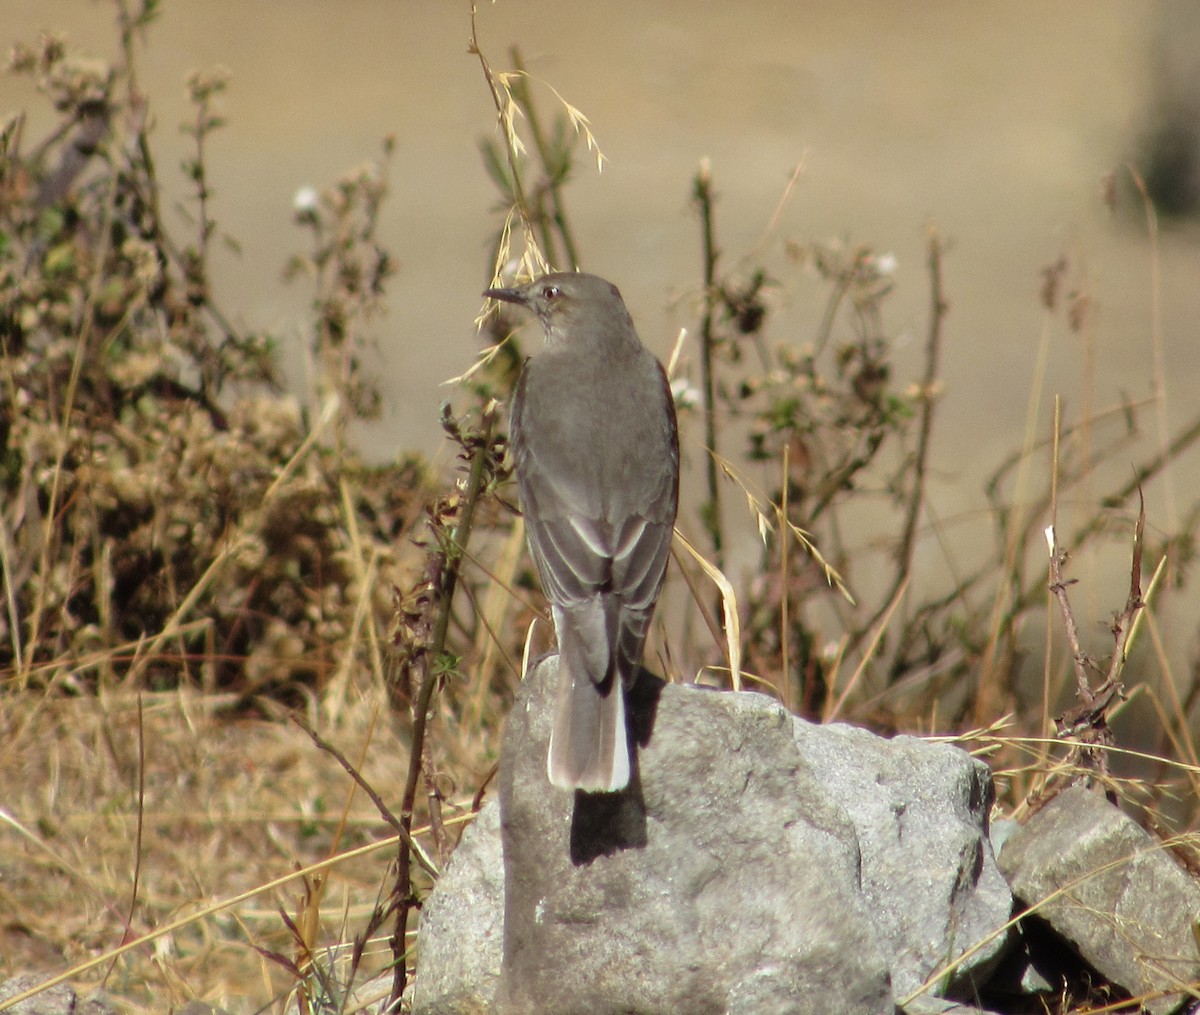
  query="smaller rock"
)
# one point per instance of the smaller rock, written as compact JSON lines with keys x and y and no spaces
{"x":928,"y":874}
{"x":927,"y":1005}
{"x":60,"y":999}
{"x":462,"y":924}
{"x":1115,"y":893}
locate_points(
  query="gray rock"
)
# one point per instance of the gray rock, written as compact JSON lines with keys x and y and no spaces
{"x":926,"y":1005}
{"x":724,"y":879}
{"x":928,"y":874}
{"x":756,"y":864}
{"x":1123,"y":902}
{"x":60,"y":999}
{"x":462,"y":924}
{"x":1033,"y":969}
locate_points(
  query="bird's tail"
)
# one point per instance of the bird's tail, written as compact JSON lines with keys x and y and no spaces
{"x":589,"y":745}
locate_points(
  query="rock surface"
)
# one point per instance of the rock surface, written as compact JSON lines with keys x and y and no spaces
{"x":724,"y":879}
{"x":60,"y":999}
{"x":1122,"y":900}
{"x":755,"y":864}
{"x":926,"y":1005}
{"x":920,"y":811}
{"x":462,"y":924}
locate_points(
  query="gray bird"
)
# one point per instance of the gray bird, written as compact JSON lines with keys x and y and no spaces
{"x":596,"y":451}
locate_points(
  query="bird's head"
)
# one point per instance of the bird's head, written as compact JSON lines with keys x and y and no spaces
{"x":572,"y":306}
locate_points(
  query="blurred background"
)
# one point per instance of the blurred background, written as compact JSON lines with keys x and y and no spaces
{"x":1003,"y":123}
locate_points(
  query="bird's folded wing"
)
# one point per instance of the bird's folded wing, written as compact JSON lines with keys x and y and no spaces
{"x":578,"y":556}
{"x":573,"y":556}
{"x":640,"y":561}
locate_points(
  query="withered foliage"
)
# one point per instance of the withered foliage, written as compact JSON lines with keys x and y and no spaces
{"x":153,"y":477}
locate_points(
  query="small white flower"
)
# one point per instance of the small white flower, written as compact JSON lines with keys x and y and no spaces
{"x":886,"y":264}
{"x":306,"y":200}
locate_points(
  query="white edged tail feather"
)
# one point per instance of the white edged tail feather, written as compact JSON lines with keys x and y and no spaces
{"x":589,"y":745}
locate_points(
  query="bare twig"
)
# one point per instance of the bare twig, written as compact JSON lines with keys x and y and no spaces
{"x":1123,"y":625}
{"x":920,"y":464}
{"x":1058,"y":586}
{"x":385,"y":812}
{"x":933,"y":350}
{"x":1086,"y":724}
{"x":711,"y":513}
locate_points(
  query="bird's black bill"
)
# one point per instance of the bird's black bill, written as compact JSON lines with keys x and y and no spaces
{"x":507,"y":295}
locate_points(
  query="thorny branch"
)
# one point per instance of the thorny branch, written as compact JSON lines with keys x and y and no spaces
{"x":424,"y":654}
{"x":1086,"y":724}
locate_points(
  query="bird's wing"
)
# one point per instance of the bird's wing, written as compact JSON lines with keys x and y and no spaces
{"x":643,"y":543}
{"x":570,"y":546}
{"x":647,"y":520}
{"x":640,"y":559}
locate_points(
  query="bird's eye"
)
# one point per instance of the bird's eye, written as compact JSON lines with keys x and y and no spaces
{"x":551,"y":292}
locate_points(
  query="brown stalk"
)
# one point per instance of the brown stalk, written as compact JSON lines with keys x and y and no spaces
{"x":403,"y":894}
{"x":1086,"y":724}
{"x":920,"y":465}
{"x":506,"y":123}
{"x":711,"y":513}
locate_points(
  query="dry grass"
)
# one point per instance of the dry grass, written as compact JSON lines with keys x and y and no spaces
{"x":227,"y":805}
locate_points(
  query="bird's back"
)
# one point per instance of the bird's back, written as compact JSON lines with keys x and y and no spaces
{"x":607,"y":439}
